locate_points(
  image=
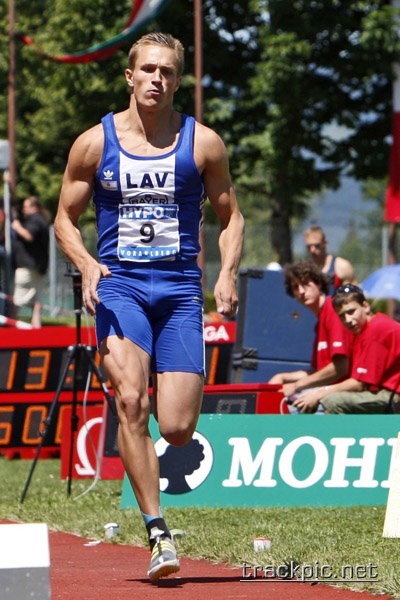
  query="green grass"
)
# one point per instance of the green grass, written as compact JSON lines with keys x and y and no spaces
{"x":309,"y":536}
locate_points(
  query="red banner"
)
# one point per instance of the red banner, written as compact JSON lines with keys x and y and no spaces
{"x":392,"y":201}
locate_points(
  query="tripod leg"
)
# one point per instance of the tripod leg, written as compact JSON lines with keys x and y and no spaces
{"x":48,"y":420}
{"x":74,"y":414}
{"x":92,"y":368}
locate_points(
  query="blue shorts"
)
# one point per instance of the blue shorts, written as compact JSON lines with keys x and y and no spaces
{"x":160,"y":309}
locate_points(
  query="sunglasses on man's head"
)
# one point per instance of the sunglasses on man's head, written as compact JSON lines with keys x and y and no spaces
{"x":348,"y":288}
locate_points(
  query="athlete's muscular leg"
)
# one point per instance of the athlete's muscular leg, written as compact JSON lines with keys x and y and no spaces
{"x":127,"y":366}
{"x":177,"y":403}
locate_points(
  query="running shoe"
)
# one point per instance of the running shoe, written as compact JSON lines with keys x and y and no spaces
{"x":164,"y":559}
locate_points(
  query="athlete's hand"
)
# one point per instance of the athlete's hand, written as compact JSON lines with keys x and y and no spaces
{"x":225,"y":295}
{"x":91,"y":275}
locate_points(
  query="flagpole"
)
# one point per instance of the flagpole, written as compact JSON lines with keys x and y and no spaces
{"x":198,"y":108}
{"x":11,"y":98}
{"x":198,"y":60}
{"x":9,"y":175}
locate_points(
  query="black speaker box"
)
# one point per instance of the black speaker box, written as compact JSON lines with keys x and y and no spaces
{"x":274,"y":332}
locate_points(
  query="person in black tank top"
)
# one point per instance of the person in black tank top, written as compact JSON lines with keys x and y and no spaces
{"x":338,"y":269}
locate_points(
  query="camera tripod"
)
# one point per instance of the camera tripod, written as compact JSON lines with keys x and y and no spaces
{"x":75,"y":354}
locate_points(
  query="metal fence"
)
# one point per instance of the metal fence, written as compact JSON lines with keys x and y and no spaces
{"x":58,"y":296}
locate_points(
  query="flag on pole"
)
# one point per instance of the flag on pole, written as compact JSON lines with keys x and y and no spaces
{"x":142,"y":12}
{"x":392,"y":200}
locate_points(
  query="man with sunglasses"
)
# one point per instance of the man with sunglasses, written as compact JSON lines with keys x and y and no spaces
{"x":374,"y":382}
{"x":339,"y":270}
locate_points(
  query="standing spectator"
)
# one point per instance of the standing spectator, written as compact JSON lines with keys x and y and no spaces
{"x":332,"y":343}
{"x":31,"y":255}
{"x":2,"y":234}
{"x":339,"y":270}
{"x":2,"y":263}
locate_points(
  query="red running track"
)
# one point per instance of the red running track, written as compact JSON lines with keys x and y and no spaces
{"x":80,"y":570}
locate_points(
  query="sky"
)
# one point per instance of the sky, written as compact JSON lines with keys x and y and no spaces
{"x":334,"y":211}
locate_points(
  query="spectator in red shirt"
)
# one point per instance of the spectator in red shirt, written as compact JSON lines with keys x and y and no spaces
{"x":330,"y":360}
{"x":374,"y":382}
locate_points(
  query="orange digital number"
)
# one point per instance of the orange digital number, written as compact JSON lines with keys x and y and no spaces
{"x":6,"y":414}
{"x":11,"y":369}
{"x":37,"y":372}
{"x":58,"y":434}
{"x":33,"y":424}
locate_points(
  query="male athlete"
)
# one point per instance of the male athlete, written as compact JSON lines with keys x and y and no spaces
{"x":149,"y":170}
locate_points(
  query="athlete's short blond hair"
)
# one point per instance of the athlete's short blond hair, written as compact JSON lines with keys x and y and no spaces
{"x":158,"y":39}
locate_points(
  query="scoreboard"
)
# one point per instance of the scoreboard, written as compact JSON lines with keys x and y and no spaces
{"x":31,"y":365}
{"x":32,"y":362}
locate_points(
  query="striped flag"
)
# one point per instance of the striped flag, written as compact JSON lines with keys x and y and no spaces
{"x":14,"y":323}
{"x":142,"y":11}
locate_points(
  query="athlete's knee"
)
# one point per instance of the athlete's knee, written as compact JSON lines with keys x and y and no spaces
{"x":177,"y":436}
{"x":133,"y":408}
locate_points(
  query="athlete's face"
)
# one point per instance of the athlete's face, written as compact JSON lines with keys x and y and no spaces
{"x":354,"y":316}
{"x":154,"y":77}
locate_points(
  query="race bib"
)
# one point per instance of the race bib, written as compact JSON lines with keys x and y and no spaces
{"x":148,"y":232}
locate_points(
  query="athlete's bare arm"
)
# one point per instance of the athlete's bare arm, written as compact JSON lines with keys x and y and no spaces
{"x":76,"y":192}
{"x":212,"y":159}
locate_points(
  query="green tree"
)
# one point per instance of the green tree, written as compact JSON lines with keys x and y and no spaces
{"x":325,"y":69}
{"x":279,"y":77}
{"x":56,"y":101}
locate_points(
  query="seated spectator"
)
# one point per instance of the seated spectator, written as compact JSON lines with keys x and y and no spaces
{"x":374,"y":382}
{"x":332,"y":344}
{"x":338,"y":269}
{"x":2,"y":235}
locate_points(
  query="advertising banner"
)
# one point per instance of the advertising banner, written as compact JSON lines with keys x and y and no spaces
{"x":278,"y":460}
